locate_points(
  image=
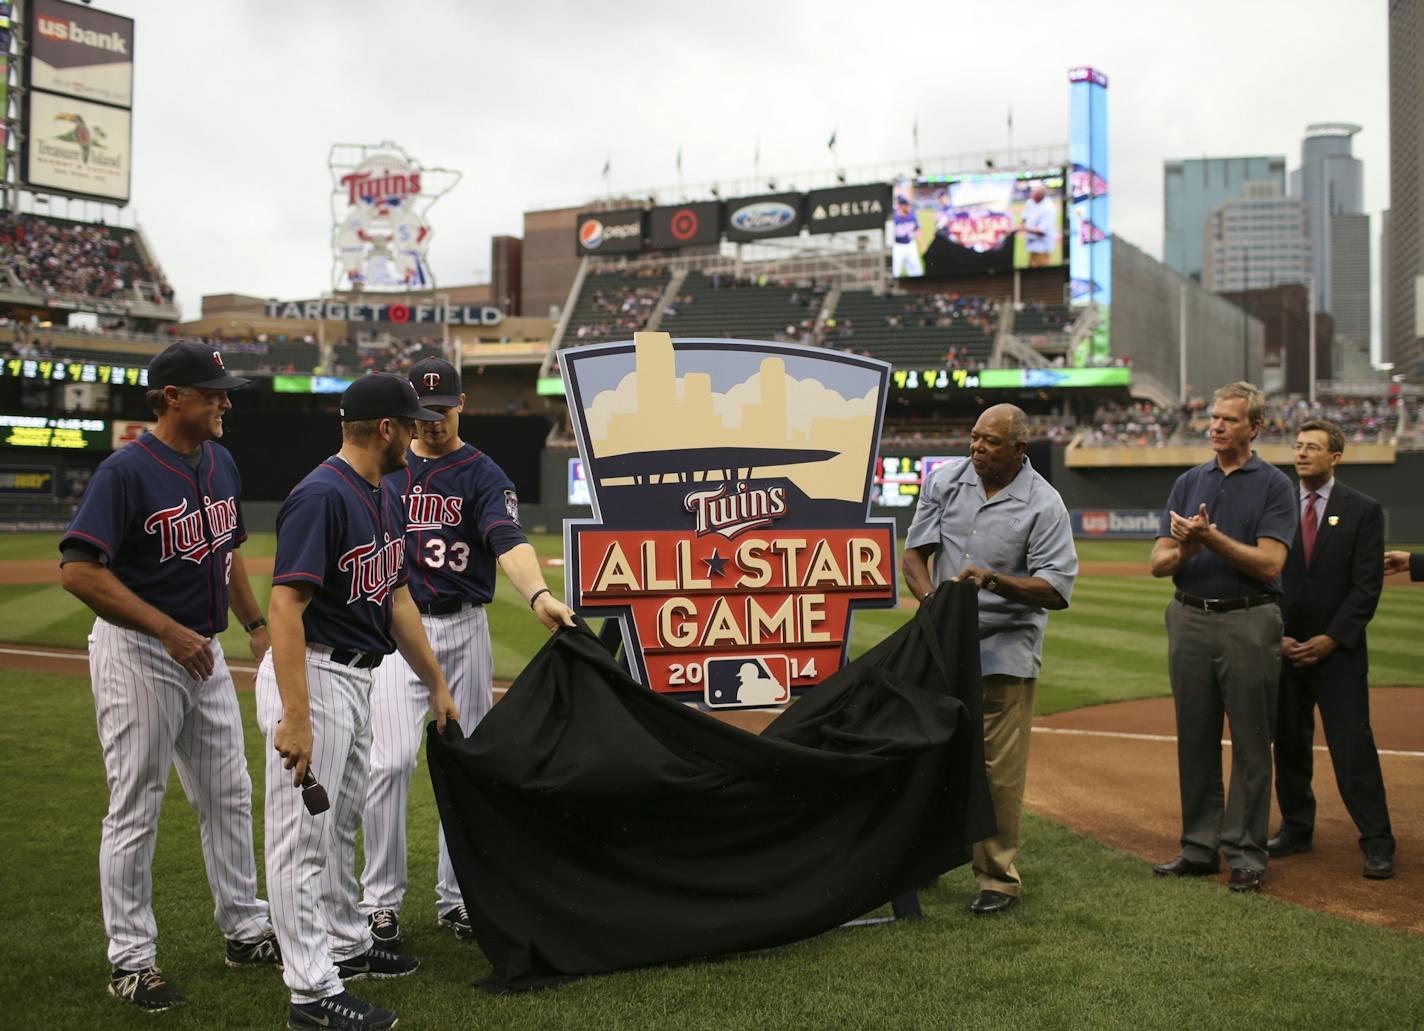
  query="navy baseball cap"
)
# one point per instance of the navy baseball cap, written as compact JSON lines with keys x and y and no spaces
{"x":189,"y":363}
{"x":436,"y":382}
{"x":383,"y":395}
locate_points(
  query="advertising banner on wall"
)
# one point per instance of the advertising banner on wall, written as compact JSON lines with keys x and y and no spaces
{"x":77,"y":147}
{"x":1089,"y":228}
{"x":731,"y":485}
{"x":685,"y":225}
{"x":1116,"y":523}
{"x":610,"y":232}
{"x":764,"y":217}
{"x":23,"y":479}
{"x":81,"y":52}
{"x":38,"y":431}
{"x":844,"y":209}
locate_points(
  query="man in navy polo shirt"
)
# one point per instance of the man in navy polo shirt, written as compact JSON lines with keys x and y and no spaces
{"x":1223,"y":540}
{"x":339,"y":606}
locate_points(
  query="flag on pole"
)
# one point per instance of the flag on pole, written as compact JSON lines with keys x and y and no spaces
{"x":679,"y":160}
{"x":915,"y":132}
{"x":607,"y":166}
{"x":1011,"y":118}
{"x":831,"y":143}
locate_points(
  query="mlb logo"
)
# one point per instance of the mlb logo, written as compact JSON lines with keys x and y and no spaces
{"x":1096,"y":522}
{"x":746,"y":681}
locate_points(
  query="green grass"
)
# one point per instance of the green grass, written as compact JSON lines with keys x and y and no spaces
{"x":1110,"y":645}
{"x":1098,"y":943}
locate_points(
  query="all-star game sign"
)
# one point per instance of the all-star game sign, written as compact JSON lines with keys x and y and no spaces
{"x":730,"y":483}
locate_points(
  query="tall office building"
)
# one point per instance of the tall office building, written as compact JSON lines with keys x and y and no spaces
{"x":1404,"y":288}
{"x":1331,"y":181}
{"x":1191,"y":188}
{"x":1256,"y":241}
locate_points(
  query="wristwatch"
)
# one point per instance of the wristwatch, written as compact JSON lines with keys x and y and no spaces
{"x":256,"y":624}
{"x":992,"y":584}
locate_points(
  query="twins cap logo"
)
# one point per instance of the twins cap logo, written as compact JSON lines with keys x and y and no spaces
{"x":218,"y":359}
{"x":730,"y":484}
{"x":591,"y":234}
{"x":431,"y":380}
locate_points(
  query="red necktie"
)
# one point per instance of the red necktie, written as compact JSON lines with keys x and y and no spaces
{"x":1308,"y":525}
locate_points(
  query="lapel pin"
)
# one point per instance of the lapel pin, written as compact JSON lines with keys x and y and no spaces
{"x":1333,"y":520}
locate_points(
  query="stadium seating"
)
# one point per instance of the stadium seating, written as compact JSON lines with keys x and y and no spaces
{"x":58,"y":256}
{"x":718,"y":305}
{"x":915,"y":329}
{"x":1041,"y":319}
{"x":1143,"y":425}
{"x":613,"y":305}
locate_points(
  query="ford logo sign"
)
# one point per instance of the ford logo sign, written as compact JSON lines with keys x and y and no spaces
{"x":763,"y":217}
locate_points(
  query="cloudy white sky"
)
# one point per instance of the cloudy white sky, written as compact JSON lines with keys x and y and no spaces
{"x":237,"y":104}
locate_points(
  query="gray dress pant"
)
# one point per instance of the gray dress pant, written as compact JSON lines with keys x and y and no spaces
{"x":1225,"y":664}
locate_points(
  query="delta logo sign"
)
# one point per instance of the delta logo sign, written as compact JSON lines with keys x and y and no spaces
{"x":730,"y":483}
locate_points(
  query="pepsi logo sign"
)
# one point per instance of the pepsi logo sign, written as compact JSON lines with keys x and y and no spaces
{"x":591,"y":233}
{"x":763,"y":217}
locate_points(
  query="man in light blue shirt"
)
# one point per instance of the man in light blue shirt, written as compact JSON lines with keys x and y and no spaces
{"x":993,"y":520}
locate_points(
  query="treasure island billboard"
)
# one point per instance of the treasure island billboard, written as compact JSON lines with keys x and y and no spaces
{"x":730,"y":484}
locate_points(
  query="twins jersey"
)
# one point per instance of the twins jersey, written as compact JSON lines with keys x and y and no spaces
{"x":338,"y":532}
{"x":167,"y":529}
{"x":905,"y":227}
{"x":461,"y":513}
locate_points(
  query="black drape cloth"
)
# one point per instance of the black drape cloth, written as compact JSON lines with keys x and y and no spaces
{"x":595,"y":825}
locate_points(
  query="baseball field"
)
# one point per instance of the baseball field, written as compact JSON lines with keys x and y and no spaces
{"x":1098,"y":942}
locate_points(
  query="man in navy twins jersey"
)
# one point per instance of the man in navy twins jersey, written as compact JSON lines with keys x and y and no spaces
{"x":462,"y":518}
{"x":153,"y":549}
{"x":339,"y":606}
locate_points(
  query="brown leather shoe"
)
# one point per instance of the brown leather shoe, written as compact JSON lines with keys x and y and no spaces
{"x":992,"y":902}
{"x":1247,"y":880}
{"x":1184,"y":867}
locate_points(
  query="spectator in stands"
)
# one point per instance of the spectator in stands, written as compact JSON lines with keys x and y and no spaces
{"x":1223,"y":539}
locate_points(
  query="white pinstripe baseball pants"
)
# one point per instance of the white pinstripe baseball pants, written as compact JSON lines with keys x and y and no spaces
{"x":399,"y":707}
{"x":311,"y":860}
{"x":151,"y":714}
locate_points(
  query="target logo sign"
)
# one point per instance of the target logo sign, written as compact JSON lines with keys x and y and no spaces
{"x":683,"y":224}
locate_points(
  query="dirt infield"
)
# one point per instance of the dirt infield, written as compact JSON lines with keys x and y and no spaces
{"x":1110,"y":772}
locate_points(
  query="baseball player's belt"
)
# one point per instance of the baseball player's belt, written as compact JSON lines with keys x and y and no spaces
{"x":444,"y":607}
{"x":351,"y":657}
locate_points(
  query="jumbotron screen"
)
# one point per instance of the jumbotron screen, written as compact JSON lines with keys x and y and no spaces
{"x":975,"y":222}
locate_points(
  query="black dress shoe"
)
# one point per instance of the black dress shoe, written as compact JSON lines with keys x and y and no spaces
{"x":1247,"y":880}
{"x":1379,"y":866}
{"x":992,"y":902}
{"x":1287,"y":844}
{"x":1184,"y":867}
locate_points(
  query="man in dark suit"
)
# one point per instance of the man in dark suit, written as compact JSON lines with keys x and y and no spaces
{"x":1332,"y":581}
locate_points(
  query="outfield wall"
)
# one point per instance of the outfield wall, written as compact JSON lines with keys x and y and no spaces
{"x":1395,"y":486}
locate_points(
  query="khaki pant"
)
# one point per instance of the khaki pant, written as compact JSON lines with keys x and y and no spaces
{"x":1008,"y":724}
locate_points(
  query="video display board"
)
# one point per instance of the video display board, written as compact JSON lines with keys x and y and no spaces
{"x":977,"y":222}
{"x":37,"y":431}
{"x":898,"y":478}
{"x":74,"y":372}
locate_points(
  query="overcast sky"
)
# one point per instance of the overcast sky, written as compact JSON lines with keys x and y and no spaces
{"x":237,"y":104}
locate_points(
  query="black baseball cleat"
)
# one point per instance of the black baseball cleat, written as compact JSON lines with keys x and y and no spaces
{"x":376,"y":962}
{"x":343,"y":1011}
{"x":458,"y":920}
{"x":264,"y":952}
{"x":385,"y":929}
{"x":987,"y":902}
{"x":1379,"y":866}
{"x":146,"y":989}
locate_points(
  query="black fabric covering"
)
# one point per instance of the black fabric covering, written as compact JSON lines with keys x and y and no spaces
{"x":595,"y":825}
